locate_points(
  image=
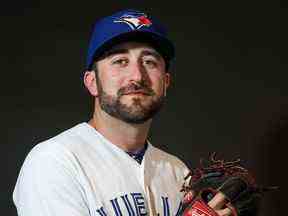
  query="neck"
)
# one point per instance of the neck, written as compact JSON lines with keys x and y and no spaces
{"x":129,"y":137}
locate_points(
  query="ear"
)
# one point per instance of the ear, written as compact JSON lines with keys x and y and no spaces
{"x":90,"y":82}
{"x":167,"y":81}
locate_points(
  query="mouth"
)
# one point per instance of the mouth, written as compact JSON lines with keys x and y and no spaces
{"x":137,"y":92}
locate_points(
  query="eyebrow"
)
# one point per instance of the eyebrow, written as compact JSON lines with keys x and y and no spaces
{"x":152,"y":53}
{"x":112,"y":52}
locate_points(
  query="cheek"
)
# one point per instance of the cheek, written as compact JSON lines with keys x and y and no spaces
{"x":157,"y":82}
{"x":111,"y":81}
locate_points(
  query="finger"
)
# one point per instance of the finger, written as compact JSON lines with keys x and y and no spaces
{"x":224,"y":212}
{"x":189,"y":197}
{"x":218,"y":201}
{"x":191,"y":213}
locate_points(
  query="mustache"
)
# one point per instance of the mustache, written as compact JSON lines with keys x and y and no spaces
{"x":136,"y":88}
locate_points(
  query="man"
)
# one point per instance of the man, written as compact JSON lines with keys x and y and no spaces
{"x":107,"y":166}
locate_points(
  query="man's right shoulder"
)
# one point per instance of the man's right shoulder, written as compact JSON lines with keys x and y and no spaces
{"x":50,"y":166}
{"x":62,"y":144}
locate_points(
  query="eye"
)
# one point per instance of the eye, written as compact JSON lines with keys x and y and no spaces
{"x":151,"y":63}
{"x":120,"y":61}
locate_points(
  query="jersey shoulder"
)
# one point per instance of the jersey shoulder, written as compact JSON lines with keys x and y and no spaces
{"x":63,"y":149}
{"x":66,"y":141}
{"x":50,"y":166}
{"x":174,"y":163}
{"x":165,"y":156}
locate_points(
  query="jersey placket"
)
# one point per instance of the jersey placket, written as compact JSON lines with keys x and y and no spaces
{"x":145,"y":183}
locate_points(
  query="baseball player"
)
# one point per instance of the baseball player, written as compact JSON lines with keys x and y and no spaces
{"x":107,"y":166}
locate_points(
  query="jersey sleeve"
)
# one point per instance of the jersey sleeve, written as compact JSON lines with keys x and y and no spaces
{"x":47,"y":186}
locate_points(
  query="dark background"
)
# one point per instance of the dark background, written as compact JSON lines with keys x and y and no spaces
{"x":229,"y":91}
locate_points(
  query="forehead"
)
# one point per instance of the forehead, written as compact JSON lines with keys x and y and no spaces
{"x":126,"y":47}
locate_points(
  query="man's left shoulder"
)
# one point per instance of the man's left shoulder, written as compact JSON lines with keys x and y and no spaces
{"x":168,"y":159}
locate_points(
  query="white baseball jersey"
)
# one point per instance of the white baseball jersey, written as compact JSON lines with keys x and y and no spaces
{"x":80,"y":173}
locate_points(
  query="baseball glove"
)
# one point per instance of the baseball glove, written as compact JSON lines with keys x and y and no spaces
{"x":241,"y":193}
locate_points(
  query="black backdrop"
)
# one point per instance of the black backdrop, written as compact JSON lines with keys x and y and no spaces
{"x":229,"y":91}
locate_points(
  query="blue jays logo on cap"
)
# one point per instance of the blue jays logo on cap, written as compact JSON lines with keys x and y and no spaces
{"x":134,"y":20}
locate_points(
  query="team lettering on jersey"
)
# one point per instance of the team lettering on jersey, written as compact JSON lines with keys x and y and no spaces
{"x":135,"y":205}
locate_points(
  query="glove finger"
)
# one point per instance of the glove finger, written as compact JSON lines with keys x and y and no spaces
{"x":247,"y":204}
{"x":233,"y":187}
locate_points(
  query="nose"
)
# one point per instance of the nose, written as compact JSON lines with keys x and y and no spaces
{"x":137,"y":72}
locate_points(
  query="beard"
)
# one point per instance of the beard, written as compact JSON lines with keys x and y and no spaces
{"x":138,"y":111}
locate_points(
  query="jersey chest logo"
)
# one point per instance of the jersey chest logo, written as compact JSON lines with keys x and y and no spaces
{"x":133,"y":204}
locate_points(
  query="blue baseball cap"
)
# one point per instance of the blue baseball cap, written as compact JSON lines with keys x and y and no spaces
{"x":128,"y":25}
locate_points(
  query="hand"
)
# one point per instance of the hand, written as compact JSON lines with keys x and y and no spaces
{"x":220,"y":188}
{"x":218,"y":204}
